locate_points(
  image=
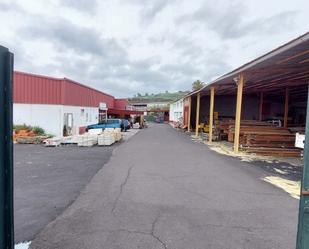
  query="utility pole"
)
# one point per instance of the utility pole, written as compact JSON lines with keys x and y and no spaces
{"x":6,"y":150}
{"x":303,"y":216}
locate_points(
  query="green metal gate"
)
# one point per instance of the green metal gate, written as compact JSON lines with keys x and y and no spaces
{"x":303,"y":217}
{"x":6,"y":150}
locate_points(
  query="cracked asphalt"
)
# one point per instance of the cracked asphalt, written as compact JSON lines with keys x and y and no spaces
{"x":162,"y":190}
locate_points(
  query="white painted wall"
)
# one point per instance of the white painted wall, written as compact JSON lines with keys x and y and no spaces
{"x":176,"y":110}
{"x":82,"y":116}
{"x":51,"y":117}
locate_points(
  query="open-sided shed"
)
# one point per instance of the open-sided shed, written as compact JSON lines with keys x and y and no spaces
{"x":275,"y":84}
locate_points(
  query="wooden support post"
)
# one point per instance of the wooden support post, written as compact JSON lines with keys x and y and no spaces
{"x":286,"y":108}
{"x":211,"y":112}
{"x":197,"y":120}
{"x":238,"y":112}
{"x":189,"y":114}
{"x":261,"y":106}
{"x":183,"y":114}
{"x":142,"y":121}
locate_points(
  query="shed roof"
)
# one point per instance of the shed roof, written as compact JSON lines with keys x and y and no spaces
{"x":287,"y":65}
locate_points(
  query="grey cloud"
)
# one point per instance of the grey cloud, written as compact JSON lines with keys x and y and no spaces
{"x":224,"y":21}
{"x":66,"y":36}
{"x":150,"y":9}
{"x":229,"y":24}
{"x":86,"y":56}
{"x":180,"y":69}
{"x":274,"y":24}
{"x":81,"y":5}
{"x":14,"y":7}
{"x":154,"y":7}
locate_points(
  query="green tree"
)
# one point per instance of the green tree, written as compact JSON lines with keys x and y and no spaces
{"x":196,"y":85}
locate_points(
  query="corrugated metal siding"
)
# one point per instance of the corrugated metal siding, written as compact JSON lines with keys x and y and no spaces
{"x":121,"y":103}
{"x":36,"y":89}
{"x":80,"y":95}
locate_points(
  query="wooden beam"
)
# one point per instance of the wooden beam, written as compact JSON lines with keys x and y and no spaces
{"x":211,"y":112}
{"x":293,"y":57}
{"x":286,"y":108}
{"x":261,"y":106}
{"x":197,"y":120}
{"x":238,"y":112}
{"x":189,"y":114}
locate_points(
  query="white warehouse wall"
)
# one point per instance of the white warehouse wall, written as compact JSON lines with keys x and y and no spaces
{"x":89,"y":116}
{"x":176,"y":110}
{"x":51,"y":117}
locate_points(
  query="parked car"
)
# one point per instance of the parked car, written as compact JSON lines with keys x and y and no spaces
{"x":109,"y":123}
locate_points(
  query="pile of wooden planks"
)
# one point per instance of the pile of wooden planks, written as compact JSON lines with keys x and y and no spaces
{"x":263,"y":138}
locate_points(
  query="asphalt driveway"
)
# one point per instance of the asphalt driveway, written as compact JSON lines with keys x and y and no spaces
{"x":162,"y":190}
{"x":47,"y":180}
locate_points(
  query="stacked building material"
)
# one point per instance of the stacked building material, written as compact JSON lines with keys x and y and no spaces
{"x":106,"y":139}
{"x":117,"y":133}
{"x":30,"y":139}
{"x":109,"y":136}
{"x":87,"y":140}
{"x":263,"y":138}
{"x":53,"y":142}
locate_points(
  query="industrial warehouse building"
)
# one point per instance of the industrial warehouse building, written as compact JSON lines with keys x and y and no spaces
{"x":62,"y":106}
{"x":260,"y":106}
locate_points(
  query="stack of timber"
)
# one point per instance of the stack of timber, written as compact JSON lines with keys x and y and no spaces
{"x":263,"y":138}
{"x":28,"y":137}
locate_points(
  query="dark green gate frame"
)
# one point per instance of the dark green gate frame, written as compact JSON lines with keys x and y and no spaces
{"x":6,"y":150}
{"x":303,"y":217}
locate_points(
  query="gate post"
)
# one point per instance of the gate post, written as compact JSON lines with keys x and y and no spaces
{"x":303,"y":215}
{"x":6,"y":150}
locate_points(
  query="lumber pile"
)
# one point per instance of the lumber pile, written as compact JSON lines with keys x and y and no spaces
{"x":262,"y":138}
{"x":28,"y":137}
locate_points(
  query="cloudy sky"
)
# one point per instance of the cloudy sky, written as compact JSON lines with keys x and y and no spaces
{"x":129,"y":46}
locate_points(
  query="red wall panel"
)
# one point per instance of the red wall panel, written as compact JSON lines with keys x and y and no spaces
{"x":121,"y":104}
{"x":80,"y":95}
{"x":37,"y":89}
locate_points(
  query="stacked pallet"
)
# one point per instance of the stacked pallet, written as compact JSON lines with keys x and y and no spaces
{"x":263,"y":138}
{"x":87,"y":140}
{"x":106,"y":139}
{"x":109,"y":136}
